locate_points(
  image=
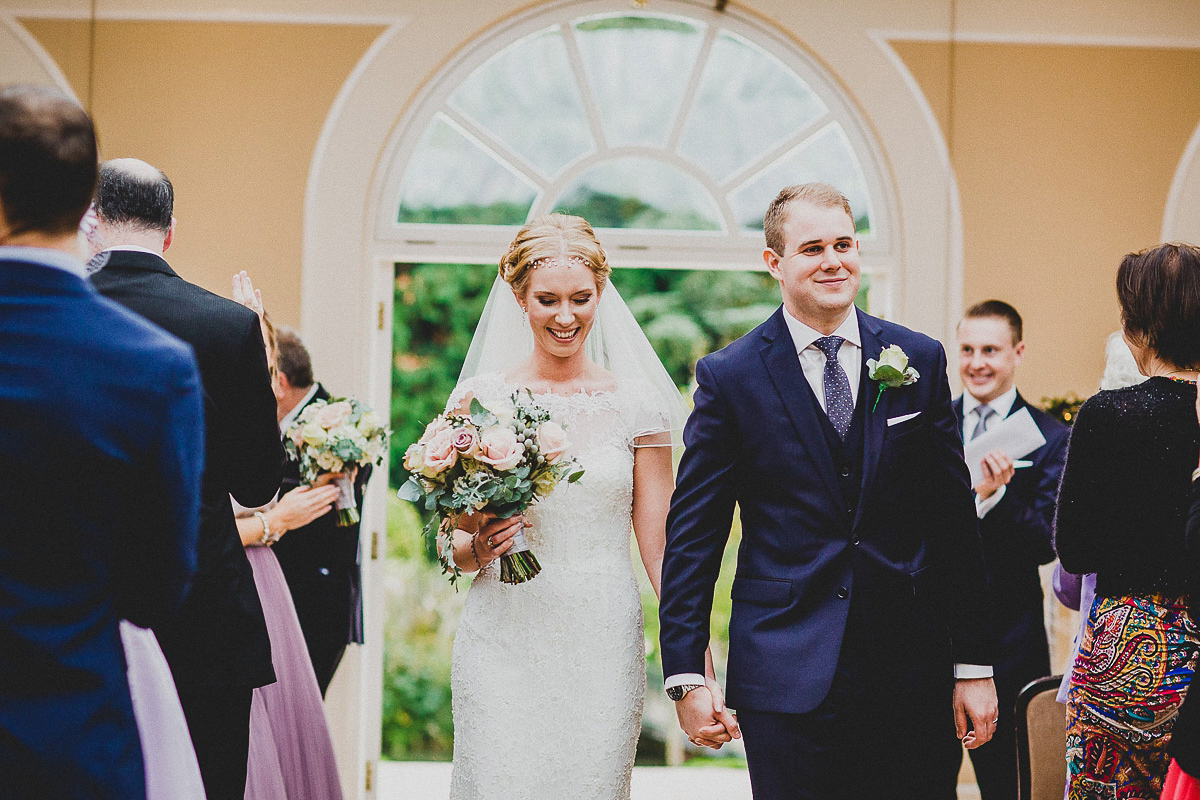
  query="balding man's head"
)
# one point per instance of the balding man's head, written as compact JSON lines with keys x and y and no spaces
{"x":47,"y":162}
{"x":133,"y":194}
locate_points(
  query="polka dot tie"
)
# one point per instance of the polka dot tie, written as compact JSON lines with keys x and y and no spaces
{"x":839,"y":404}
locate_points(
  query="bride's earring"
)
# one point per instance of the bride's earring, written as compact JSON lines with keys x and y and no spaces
{"x":525,"y":314}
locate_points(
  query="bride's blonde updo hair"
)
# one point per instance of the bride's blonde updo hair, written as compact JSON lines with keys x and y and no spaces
{"x":548,"y":237}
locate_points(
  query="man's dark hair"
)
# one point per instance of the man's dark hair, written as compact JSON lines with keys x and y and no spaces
{"x":294,"y":361}
{"x":1001,"y":310}
{"x":126,"y":198}
{"x":47,"y":160}
{"x":1159,"y":293}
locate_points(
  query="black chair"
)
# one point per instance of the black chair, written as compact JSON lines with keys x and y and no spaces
{"x":1041,"y":741}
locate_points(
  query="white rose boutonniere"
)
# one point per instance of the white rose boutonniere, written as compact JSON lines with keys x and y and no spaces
{"x":891,"y":371}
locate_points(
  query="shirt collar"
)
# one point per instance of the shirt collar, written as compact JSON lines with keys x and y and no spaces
{"x":45,"y":257}
{"x":1001,"y":405}
{"x":134,"y":248}
{"x":288,"y":419}
{"x":803,"y":336}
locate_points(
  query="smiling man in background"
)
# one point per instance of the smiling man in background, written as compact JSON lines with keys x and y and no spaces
{"x":1016,"y":514}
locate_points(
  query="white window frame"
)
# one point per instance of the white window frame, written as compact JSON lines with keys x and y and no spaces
{"x":728,"y":249}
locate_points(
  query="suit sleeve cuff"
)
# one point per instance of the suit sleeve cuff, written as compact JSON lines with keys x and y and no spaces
{"x":684,"y":679}
{"x":964,"y":672}
{"x":982,"y":507}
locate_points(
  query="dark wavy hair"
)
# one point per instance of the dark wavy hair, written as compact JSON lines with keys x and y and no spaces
{"x":1159,"y":293}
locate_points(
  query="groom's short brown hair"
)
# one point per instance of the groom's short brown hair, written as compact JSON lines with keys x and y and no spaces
{"x":1000,"y":310}
{"x":819,"y":194}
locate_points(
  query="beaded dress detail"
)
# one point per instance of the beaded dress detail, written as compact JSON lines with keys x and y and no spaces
{"x":549,"y":676}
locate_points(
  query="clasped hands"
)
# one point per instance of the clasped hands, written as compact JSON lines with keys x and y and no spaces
{"x":704,"y":717}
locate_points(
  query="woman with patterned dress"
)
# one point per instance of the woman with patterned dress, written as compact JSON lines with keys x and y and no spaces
{"x":1122,"y":514}
{"x":548,"y":676}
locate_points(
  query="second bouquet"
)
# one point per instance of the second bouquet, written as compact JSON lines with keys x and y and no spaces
{"x":499,"y":458}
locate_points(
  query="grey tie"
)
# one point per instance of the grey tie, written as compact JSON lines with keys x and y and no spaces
{"x":984,"y":411}
{"x":839,"y":404}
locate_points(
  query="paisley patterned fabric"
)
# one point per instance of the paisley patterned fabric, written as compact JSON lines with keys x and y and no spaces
{"x":1135,"y":663}
{"x":549,"y":676}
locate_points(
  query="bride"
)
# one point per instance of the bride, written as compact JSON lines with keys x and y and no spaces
{"x":548,"y":676}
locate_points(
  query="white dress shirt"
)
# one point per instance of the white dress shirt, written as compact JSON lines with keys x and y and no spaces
{"x":812,"y":360}
{"x":290,"y":417}
{"x":44,"y":257}
{"x":1002,"y":405}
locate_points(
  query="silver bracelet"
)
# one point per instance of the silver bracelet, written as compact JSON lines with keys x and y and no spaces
{"x":267,"y":539}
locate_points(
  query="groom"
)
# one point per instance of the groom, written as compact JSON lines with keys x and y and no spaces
{"x":859,"y":641}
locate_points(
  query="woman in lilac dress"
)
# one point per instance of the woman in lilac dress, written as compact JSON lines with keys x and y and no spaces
{"x":291,"y":753}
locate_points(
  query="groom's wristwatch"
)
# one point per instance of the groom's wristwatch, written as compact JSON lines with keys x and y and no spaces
{"x":677,"y":693}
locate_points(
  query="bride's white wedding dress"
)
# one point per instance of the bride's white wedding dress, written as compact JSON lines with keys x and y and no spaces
{"x":549,"y":676}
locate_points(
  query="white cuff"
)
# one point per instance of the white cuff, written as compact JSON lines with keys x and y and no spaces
{"x":685,"y":679}
{"x":966,"y":672}
{"x":982,"y":507}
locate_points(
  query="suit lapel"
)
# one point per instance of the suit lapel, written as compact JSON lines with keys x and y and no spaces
{"x":778,"y":353}
{"x":876,"y":414}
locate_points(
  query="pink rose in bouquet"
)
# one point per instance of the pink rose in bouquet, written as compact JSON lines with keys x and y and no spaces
{"x":498,"y":447}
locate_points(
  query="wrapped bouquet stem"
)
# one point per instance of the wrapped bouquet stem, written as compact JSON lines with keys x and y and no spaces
{"x":500,"y":460}
{"x":335,"y":437}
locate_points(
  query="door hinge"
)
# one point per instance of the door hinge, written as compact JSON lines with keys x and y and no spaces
{"x":369,"y":765}
{"x":379,"y":322}
{"x":374,"y":545}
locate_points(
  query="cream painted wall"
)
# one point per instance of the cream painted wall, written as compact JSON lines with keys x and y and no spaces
{"x":1064,"y":158}
{"x":231,"y":112}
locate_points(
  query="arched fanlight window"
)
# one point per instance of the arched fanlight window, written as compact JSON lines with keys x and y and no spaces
{"x":670,"y":132}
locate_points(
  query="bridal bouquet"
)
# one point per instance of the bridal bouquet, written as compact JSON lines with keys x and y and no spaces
{"x":331,"y":436}
{"x":500,"y":459}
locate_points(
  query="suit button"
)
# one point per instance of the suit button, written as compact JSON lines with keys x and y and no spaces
{"x":854,"y":541}
{"x":845,"y":472}
{"x":324,"y":571}
{"x":850,"y":510}
{"x":843,"y":592}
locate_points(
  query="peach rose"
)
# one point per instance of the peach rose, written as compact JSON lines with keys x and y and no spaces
{"x":552,"y":441}
{"x":498,"y":446}
{"x":433,"y":429}
{"x":466,"y":441}
{"x":440,"y":454}
{"x":334,"y":414}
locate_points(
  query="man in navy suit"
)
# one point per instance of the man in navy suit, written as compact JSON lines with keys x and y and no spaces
{"x":101,"y":451}
{"x":859,"y":641}
{"x":1016,"y":515}
{"x":320,"y":560}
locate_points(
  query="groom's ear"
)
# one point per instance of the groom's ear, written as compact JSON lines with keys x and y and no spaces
{"x":772,"y":259}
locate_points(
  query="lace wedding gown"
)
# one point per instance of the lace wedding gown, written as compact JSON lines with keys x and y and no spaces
{"x":549,"y":676}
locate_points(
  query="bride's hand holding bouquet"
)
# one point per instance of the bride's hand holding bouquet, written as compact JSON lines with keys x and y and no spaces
{"x":487,"y":464}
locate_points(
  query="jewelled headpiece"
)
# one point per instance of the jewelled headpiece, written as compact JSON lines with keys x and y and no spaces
{"x":564,"y":262}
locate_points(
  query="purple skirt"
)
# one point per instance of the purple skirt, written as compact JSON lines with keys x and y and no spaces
{"x":291,"y":754}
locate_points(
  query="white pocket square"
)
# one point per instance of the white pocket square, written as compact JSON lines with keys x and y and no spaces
{"x":897,"y":420}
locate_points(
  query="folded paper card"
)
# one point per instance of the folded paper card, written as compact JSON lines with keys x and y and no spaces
{"x":1017,"y":435}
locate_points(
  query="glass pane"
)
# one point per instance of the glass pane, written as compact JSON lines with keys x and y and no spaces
{"x":640,"y":193}
{"x":748,"y":101}
{"x":619,"y":54}
{"x":527,"y":97}
{"x":436,"y":187}
{"x":825,"y":156}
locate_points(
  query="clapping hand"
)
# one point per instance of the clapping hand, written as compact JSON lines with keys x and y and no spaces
{"x":245,"y":293}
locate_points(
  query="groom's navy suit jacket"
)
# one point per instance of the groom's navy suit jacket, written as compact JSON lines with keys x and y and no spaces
{"x":908,"y":546}
{"x":101,"y":452}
